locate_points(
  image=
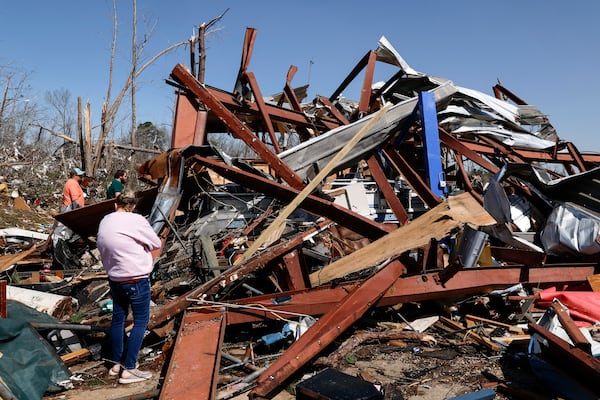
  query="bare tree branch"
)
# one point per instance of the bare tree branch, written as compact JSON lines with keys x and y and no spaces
{"x":54,"y":133}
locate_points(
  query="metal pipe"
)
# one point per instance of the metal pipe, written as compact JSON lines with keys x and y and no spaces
{"x":71,"y":327}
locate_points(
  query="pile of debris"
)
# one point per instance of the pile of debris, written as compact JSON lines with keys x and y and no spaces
{"x":425,"y":227}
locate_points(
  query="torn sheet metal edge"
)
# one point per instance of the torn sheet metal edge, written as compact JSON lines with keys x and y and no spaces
{"x":507,"y":137}
{"x":22,"y":233}
{"x":388,"y":54}
{"x":325,"y":146}
{"x":582,"y":189}
{"x":507,"y":110}
{"x":570,"y":229}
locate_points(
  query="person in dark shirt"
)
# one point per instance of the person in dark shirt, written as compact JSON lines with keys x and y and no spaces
{"x":117,"y":185}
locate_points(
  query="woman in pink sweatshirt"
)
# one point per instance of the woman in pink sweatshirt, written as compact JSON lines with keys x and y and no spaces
{"x":125,"y":240}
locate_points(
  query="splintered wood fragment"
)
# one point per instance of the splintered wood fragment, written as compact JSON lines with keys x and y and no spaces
{"x":435,"y":223}
{"x":453,"y":325}
{"x":484,"y":341}
{"x":334,"y":359}
{"x":507,"y":340}
{"x":469,"y":334}
{"x":594,"y":281}
{"x":508,"y":327}
{"x":8,"y":260}
{"x":74,"y":356}
{"x":419,"y":324}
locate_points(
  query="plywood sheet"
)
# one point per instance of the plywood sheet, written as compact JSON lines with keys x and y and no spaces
{"x":436,"y":223}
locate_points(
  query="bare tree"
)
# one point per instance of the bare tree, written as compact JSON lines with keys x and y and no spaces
{"x":132,"y":162}
{"x":16,"y":107}
{"x":111,"y":109}
{"x":62,"y":105}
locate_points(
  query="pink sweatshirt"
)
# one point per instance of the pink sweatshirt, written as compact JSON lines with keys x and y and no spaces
{"x":125,"y":240}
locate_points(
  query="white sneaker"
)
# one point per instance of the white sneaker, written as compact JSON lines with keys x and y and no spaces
{"x":114,"y":371}
{"x":134,"y":375}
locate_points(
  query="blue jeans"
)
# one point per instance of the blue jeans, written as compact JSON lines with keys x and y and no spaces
{"x":137,"y":296}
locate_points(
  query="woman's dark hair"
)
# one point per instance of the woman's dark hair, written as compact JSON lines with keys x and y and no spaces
{"x":127,"y":199}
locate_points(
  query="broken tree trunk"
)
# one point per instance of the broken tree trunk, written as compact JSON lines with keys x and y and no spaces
{"x":51,"y":304}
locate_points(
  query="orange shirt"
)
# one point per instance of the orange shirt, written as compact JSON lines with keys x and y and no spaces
{"x":72,"y":192}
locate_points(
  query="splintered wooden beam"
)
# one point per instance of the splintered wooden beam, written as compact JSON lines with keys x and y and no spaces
{"x":436,"y":223}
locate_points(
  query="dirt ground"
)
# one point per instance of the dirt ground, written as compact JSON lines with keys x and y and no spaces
{"x":412,"y":371}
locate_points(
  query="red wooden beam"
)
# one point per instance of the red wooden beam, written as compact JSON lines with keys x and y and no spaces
{"x":465,"y":177}
{"x":501,"y":93}
{"x":296,"y":279}
{"x":277,"y":113}
{"x":365,"y":93}
{"x":458,"y":146}
{"x":572,"y":361}
{"x":531,"y":155}
{"x":573,"y":331}
{"x":262,"y":108}
{"x":576,"y":156}
{"x":333,"y":110}
{"x":295,"y":103}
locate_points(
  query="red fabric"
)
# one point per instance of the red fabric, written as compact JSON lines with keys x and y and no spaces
{"x":584,"y":306}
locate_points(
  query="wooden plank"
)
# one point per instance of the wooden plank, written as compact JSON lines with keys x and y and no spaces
{"x":73,"y":357}
{"x":433,"y":224}
{"x":194,"y":365}
{"x":507,"y":340}
{"x":508,"y":327}
{"x":209,"y":255}
{"x":8,"y":260}
{"x":594,"y":282}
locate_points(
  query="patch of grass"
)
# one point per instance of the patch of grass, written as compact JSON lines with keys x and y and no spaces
{"x":78,"y":317}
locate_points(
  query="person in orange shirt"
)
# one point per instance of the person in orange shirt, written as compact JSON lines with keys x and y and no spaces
{"x":72,"y":192}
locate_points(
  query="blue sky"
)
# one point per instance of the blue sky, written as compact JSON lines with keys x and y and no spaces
{"x":547,"y":52}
